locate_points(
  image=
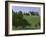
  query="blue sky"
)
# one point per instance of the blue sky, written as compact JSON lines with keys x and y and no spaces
{"x":26,"y":9}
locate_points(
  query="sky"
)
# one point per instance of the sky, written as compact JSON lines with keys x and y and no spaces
{"x":26,"y":9}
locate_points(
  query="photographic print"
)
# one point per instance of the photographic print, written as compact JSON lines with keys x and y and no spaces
{"x":24,"y":18}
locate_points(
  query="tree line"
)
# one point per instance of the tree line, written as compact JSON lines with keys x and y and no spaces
{"x":29,"y":13}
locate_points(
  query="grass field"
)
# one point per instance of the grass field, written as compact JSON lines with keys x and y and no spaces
{"x":33,"y":21}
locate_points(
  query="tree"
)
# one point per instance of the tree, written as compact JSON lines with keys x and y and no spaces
{"x":14,"y":18}
{"x":32,"y":13}
{"x":18,"y":19}
{"x":20,"y":15}
{"x":27,"y":14}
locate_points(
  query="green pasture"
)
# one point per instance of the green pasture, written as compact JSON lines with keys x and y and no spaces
{"x":33,"y":20}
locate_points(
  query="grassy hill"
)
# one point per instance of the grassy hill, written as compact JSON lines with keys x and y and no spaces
{"x":34,"y":21}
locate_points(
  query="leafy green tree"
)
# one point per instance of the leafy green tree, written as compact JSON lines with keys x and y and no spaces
{"x":18,"y":19}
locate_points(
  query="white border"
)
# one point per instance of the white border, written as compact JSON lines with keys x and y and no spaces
{"x":24,"y":31}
